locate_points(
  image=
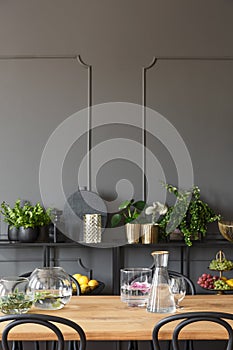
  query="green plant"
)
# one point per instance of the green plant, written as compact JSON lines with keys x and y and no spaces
{"x":191,"y":215}
{"x":16,"y":302}
{"x":129,"y":211}
{"x":25,"y":215}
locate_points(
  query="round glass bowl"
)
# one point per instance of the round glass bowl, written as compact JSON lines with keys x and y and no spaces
{"x":52,"y":288}
{"x":15,"y":298}
{"x":226,"y":229}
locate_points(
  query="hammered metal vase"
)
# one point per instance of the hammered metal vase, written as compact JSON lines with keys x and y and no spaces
{"x":92,"y":228}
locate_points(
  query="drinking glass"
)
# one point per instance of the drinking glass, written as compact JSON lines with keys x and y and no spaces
{"x":135,"y":286}
{"x":178,"y":289}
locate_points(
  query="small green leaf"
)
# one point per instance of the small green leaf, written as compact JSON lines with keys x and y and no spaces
{"x":124,"y":205}
{"x":140,"y":205}
{"x":115,"y":220}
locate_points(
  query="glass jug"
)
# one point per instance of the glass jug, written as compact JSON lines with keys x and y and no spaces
{"x":14,"y":295}
{"x":161,"y":299}
{"x":52,"y":287}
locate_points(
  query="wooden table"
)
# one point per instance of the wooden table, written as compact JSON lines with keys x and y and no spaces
{"x":107,"y":318}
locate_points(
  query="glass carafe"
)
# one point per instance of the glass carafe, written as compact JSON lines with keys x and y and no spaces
{"x":52,"y":287}
{"x":15,"y":298}
{"x":161,"y":299}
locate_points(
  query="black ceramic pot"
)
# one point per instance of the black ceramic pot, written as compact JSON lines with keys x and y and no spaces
{"x":28,"y":235}
{"x":13,"y":234}
{"x":43,"y":233}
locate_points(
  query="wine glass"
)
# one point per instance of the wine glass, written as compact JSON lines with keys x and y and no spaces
{"x":178,"y":289}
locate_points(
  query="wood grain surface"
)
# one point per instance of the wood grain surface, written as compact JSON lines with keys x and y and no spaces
{"x":107,"y":318}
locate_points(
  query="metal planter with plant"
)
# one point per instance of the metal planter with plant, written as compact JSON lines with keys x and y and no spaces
{"x":130,"y":211}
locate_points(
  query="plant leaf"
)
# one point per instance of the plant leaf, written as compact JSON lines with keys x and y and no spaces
{"x":115,"y":220}
{"x":140,"y":205}
{"x":124,"y":205}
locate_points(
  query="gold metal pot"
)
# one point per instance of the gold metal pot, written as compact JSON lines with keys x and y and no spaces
{"x":133,"y":233}
{"x":149,"y":233}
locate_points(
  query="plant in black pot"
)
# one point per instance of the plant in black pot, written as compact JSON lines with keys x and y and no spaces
{"x":190,"y":215}
{"x":130,"y":211}
{"x":25,"y":220}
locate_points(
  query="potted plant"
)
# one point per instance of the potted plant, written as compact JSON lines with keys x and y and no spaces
{"x":191,"y":215}
{"x":130,"y":211}
{"x":150,"y":231}
{"x":25,"y":220}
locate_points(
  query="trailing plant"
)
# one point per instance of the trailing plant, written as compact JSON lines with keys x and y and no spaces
{"x":129,"y":211}
{"x":191,"y":215}
{"x":25,"y":215}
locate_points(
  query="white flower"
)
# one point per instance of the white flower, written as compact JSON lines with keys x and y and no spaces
{"x":156,"y":210}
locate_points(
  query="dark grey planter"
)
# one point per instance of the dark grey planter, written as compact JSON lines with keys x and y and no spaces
{"x":43,"y":233}
{"x":13,"y":233}
{"x":28,"y":235}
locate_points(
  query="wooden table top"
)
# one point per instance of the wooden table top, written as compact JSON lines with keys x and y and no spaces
{"x":107,"y":318}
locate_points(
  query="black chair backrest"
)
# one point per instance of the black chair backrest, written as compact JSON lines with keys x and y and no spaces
{"x":77,"y":291}
{"x":44,"y":320}
{"x":191,"y":287}
{"x":191,"y":317}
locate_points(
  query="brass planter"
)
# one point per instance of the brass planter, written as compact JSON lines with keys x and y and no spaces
{"x":149,"y":233}
{"x":133,"y":233}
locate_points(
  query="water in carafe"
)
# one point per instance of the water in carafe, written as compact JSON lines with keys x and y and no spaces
{"x":161,"y":299}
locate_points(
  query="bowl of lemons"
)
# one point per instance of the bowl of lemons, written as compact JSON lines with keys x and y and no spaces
{"x":87,"y":286}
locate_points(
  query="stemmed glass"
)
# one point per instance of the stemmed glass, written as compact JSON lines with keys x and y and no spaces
{"x":178,"y":289}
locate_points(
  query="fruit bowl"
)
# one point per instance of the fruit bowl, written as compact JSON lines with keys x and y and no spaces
{"x":97,"y":290}
{"x":215,"y":283}
{"x":226,"y":229}
{"x":218,"y":291}
{"x":88,"y":290}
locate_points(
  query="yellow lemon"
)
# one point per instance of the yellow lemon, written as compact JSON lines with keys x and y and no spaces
{"x":74,"y":288}
{"x":84,"y":288}
{"x":83,"y":280}
{"x":93,"y":284}
{"x":230,"y":282}
{"x":77,"y":275}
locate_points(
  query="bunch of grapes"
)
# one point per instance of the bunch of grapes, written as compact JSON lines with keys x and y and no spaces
{"x":221,"y":265}
{"x":207,"y":281}
{"x":221,"y":284}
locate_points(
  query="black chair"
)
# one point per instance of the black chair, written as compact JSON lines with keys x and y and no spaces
{"x":189,"y":318}
{"x":191,"y":290}
{"x":47,"y":321}
{"x":17,"y":345}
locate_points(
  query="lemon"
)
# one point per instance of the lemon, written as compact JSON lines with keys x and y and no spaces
{"x":74,"y":288}
{"x":93,"y":284}
{"x":83,"y":280}
{"x":84,"y":288}
{"x":230,"y":282}
{"x":77,"y":275}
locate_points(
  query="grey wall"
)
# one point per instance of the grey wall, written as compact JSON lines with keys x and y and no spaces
{"x":118,"y":38}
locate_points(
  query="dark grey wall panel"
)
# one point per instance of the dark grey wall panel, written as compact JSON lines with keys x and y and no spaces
{"x":117,"y":38}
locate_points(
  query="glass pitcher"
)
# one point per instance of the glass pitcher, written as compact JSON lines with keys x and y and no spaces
{"x":161,"y":299}
{"x":15,"y":298}
{"x":52,"y":287}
